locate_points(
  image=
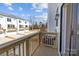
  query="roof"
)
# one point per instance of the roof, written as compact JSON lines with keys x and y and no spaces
{"x":10,"y":15}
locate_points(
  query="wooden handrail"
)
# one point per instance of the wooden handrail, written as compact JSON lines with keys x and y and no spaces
{"x":12,"y":44}
{"x":54,"y":33}
{"x":27,"y":41}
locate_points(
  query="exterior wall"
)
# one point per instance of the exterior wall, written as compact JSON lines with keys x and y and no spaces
{"x":51,"y":17}
{"x":52,"y":7}
{"x":13,"y":21}
{"x":3,"y":22}
{"x":58,"y":27}
{"x":28,"y":24}
{"x":22,"y":23}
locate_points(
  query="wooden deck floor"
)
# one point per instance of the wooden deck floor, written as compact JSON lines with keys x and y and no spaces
{"x":45,"y":51}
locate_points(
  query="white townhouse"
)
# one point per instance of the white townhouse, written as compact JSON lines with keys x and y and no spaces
{"x":11,"y":23}
{"x":1,"y":22}
{"x":27,"y":24}
{"x":21,"y":24}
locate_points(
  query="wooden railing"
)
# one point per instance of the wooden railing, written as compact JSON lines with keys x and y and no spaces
{"x":26,"y":46}
{"x":49,"y":39}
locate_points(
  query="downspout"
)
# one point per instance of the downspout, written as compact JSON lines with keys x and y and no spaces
{"x":61,"y":29}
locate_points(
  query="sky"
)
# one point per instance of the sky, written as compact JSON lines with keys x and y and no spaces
{"x":34,"y":12}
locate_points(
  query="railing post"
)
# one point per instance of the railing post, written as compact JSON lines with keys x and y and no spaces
{"x":27,"y":47}
{"x":14,"y":51}
{"x":39,"y":38}
{"x":7,"y":53}
{"x":23,"y":49}
{"x":19,"y":50}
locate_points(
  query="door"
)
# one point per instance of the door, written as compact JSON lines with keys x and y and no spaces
{"x":65,"y":29}
{"x":76,"y":32}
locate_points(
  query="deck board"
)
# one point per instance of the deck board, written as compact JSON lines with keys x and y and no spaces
{"x":45,"y":51}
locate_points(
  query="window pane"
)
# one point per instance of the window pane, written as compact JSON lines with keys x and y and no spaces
{"x":19,"y":21}
{"x":10,"y":26}
{"x":8,"y":19}
{"x":0,"y":25}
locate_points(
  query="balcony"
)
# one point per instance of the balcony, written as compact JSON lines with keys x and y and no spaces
{"x":32,"y":43}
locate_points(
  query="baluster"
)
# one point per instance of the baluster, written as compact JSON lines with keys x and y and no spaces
{"x":19,"y":50}
{"x":27,"y":47}
{"x":7,"y":53}
{"x":45,"y":40}
{"x":48,"y":40}
{"x":52,"y":41}
{"x":14,"y":51}
{"x":23,"y":49}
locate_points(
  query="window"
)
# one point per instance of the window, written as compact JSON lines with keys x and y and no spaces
{"x":25,"y":22}
{"x":10,"y":26}
{"x":25,"y":25}
{"x":13,"y":26}
{"x":9,"y":19}
{"x":1,"y":29}
{"x":20,"y":26}
{"x":56,"y":17}
{"x":19,"y":21}
{"x":0,"y":25}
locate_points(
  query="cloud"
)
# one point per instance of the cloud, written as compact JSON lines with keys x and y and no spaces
{"x":10,"y":8}
{"x":23,"y":15}
{"x":43,"y":16}
{"x":20,"y":8}
{"x":34,"y":5}
{"x":28,"y":15}
{"x":38,"y":10}
{"x":38,"y":7}
{"x":8,"y":4}
{"x":44,"y":5}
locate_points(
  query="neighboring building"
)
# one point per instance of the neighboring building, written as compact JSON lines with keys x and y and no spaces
{"x":21,"y":24}
{"x":27,"y":24}
{"x":11,"y":23}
